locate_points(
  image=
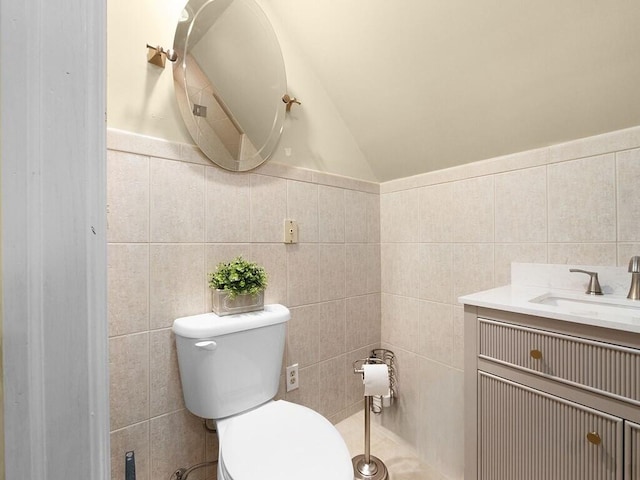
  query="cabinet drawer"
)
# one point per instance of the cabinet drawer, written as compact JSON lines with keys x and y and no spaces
{"x":596,"y":366}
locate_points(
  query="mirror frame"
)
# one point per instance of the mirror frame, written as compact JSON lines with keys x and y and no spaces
{"x":214,"y":148}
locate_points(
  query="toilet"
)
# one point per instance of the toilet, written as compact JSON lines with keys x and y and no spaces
{"x":230,"y":369}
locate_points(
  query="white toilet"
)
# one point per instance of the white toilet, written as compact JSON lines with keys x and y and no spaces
{"x":230,"y":369}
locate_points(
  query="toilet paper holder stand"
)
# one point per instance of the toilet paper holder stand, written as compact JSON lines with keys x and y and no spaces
{"x":366,"y":466}
{"x":380,"y":356}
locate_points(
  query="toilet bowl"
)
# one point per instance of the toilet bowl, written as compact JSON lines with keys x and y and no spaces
{"x":281,"y":441}
{"x":230,"y":371}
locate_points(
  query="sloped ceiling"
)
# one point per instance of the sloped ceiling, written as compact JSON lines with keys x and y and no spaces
{"x":424,"y":85}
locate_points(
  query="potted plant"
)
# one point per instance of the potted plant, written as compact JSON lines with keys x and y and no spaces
{"x":237,"y":287}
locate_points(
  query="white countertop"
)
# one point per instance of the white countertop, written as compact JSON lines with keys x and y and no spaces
{"x":623,"y":314}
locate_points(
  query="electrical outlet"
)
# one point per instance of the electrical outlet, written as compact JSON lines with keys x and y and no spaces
{"x":292,"y":377}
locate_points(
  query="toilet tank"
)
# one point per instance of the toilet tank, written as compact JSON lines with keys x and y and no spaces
{"x":230,"y":364}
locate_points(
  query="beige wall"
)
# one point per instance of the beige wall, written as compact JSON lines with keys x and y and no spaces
{"x":456,"y":231}
{"x":140,"y":97}
{"x":172,"y":217}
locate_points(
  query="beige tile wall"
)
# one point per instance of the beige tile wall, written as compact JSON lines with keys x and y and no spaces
{"x":172,"y":216}
{"x":422,"y":242}
{"x":457,"y":231}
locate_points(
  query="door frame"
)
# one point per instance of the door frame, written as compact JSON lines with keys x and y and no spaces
{"x":53,"y":153}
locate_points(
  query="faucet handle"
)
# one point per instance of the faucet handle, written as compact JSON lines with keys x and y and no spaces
{"x":594,"y":284}
{"x":634,"y":269}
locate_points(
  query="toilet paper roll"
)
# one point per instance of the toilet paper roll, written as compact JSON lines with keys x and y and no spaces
{"x":375,"y":379}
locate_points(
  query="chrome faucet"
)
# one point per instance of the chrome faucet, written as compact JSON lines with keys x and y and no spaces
{"x":594,"y":284}
{"x":634,"y":269}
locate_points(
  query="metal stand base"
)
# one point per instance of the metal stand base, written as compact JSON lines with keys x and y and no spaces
{"x":374,"y":470}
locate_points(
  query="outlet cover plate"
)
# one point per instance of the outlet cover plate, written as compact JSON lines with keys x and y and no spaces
{"x":292,"y":377}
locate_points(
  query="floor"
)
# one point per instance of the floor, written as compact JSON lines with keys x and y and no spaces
{"x":399,"y":457}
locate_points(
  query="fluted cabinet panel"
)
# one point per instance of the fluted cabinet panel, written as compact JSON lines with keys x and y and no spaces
{"x":526,"y":434}
{"x":609,"y":369}
{"x":632,"y":450}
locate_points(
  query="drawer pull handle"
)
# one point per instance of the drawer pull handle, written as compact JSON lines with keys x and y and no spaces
{"x":594,"y":438}
{"x":537,"y":354}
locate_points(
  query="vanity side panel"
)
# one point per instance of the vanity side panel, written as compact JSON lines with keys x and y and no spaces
{"x":470,"y":392}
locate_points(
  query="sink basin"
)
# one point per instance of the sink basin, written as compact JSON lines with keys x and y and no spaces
{"x":590,"y":306}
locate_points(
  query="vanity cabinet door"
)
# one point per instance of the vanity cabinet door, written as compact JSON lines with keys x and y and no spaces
{"x":526,"y":434}
{"x":632,"y":450}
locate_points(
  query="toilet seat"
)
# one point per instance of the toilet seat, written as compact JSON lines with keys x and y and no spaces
{"x":282,"y":441}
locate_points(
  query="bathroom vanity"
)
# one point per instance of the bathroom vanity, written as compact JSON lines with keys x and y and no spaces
{"x":552,"y":385}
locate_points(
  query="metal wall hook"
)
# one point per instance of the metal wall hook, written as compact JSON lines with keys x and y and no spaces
{"x":158,"y":55}
{"x":289,"y":101}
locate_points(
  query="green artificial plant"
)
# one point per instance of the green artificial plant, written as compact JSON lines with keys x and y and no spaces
{"x":238,"y":277}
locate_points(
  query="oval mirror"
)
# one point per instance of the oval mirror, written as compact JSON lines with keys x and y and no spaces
{"x":229,"y":81}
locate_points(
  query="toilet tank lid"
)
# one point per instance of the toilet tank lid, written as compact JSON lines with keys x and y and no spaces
{"x":210,"y":325}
